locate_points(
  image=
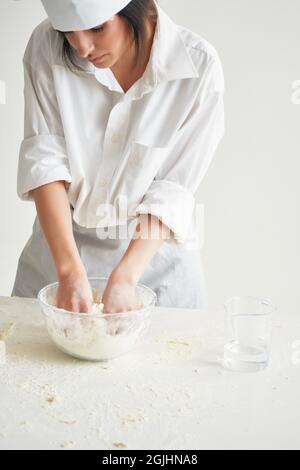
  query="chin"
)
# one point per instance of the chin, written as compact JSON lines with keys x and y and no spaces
{"x":103,"y":65}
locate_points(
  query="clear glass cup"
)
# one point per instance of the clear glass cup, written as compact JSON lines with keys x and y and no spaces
{"x":249,"y":321}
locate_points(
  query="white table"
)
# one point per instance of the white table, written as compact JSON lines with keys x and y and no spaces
{"x":170,"y":393}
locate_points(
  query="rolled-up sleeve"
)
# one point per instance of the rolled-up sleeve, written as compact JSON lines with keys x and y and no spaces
{"x":42,"y":156}
{"x":171,"y":196}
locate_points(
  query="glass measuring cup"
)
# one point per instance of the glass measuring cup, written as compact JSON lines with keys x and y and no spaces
{"x":249,"y":321}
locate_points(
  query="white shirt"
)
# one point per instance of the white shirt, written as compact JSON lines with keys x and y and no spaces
{"x":146,"y":149}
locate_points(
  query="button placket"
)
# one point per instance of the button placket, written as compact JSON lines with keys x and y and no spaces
{"x":113,"y":143}
{"x":134,"y":159}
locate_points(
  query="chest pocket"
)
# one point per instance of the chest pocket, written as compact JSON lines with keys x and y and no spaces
{"x":148,"y":151}
{"x":150,"y":146}
{"x":146,"y":157}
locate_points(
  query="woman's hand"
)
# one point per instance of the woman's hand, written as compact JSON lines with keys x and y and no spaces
{"x":74,"y":293}
{"x":119,"y":295}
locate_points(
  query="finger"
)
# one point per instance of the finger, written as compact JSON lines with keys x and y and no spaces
{"x":84,"y":307}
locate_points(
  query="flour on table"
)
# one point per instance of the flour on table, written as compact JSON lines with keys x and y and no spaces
{"x":2,"y":352}
{"x":6,"y":330}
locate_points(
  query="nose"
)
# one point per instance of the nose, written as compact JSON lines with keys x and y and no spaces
{"x":85,"y":52}
{"x":84,"y":47}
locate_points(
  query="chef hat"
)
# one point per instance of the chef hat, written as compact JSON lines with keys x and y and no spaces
{"x":76,"y":15}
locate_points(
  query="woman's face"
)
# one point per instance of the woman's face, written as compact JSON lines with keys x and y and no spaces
{"x":110,"y":40}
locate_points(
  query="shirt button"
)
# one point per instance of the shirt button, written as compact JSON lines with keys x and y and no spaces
{"x":115,"y":138}
{"x":103,"y":182}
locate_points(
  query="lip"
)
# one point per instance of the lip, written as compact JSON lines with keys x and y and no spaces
{"x":97,"y":58}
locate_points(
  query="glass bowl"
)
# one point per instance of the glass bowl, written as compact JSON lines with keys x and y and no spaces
{"x":96,"y":336}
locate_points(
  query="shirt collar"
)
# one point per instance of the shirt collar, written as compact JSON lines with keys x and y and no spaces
{"x":169,"y":60}
{"x":170,"y":54}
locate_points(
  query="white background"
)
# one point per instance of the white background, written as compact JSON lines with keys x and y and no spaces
{"x":251,"y":191}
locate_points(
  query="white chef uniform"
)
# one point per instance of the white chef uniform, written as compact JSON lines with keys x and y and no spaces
{"x":152,"y":144}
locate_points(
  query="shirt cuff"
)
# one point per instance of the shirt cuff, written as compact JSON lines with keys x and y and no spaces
{"x":42,"y":160}
{"x":173,"y":204}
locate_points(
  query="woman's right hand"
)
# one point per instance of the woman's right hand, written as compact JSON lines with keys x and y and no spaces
{"x":75,"y":293}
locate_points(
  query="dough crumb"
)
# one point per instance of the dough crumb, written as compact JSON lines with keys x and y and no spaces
{"x":67,"y":445}
{"x":120,"y":445}
{"x":130,"y":419}
{"x":6,"y":331}
{"x":97,"y":308}
{"x":52,"y":398}
{"x":179,"y":342}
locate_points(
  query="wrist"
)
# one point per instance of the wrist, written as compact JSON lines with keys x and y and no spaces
{"x":125,"y":275}
{"x":70,"y":269}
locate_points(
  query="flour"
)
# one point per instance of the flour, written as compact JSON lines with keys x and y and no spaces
{"x":97,"y":308}
{"x":94,"y":335}
{"x":6,"y":331}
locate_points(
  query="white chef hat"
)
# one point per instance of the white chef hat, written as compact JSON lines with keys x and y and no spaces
{"x":76,"y":15}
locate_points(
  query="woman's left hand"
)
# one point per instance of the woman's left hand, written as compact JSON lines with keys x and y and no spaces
{"x":119,"y":296}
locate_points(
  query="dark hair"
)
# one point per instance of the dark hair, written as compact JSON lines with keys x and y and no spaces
{"x":135,"y":14}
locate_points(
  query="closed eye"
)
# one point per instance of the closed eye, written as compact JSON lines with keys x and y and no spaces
{"x":98,"y":30}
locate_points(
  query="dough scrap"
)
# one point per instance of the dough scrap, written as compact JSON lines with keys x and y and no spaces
{"x":6,"y":331}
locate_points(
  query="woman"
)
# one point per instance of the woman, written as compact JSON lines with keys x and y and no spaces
{"x":123,"y":114}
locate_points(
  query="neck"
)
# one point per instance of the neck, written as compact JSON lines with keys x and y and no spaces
{"x":133,"y":71}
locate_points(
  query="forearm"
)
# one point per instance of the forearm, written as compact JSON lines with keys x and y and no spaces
{"x":149,"y":235}
{"x":54,"y":215}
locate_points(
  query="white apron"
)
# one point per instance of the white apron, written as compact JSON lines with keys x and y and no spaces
{"x":175,"y":273}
